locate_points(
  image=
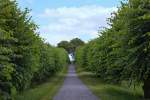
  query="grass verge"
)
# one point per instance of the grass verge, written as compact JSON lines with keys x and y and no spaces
{"x":45,"y":91}
{"x":107,"y":91}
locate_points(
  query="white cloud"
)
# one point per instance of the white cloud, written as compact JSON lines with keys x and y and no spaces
{"x":65,"y":23}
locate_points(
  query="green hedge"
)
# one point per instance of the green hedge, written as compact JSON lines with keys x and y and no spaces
{"x":121,"y":52}
{"x":52,"y":60}
{"x":24,"y":57}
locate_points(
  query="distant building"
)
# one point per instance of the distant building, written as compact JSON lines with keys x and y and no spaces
{"x":71,"y":57}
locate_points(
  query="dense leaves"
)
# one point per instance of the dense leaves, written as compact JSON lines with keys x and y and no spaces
{"x":71,"y":45}
{"x":121,"y":53}
{"x":24,"y":57}
{"x":51,"y":61}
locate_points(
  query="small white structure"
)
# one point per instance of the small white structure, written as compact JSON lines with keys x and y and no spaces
{"x":71,"y":57}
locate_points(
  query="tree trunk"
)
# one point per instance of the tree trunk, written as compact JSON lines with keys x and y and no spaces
{"x":146,"y":89}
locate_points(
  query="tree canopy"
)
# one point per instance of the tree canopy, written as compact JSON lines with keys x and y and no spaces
{"x":71,"y":45}
{"x":121,"y":53}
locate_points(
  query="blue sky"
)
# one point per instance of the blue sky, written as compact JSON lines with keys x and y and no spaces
{"x":66,"y":19}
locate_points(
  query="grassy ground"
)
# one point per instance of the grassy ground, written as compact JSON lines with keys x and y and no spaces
{"x":109,"y":92}
{"x":44,"y":91}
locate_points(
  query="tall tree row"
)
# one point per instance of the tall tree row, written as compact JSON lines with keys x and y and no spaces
{"x":24,"y":57}
{"x":122,"y":52}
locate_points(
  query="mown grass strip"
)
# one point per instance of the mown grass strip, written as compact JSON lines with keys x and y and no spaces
{"x":45,"y":91}
{"x":108,"y":91}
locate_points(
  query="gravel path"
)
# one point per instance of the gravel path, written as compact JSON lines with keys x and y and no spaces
{"x":73,"y":88}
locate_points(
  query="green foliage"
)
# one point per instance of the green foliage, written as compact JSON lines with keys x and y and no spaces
{"x":64,"y":44}
{"x":52,"y":60}
{"x":71,"y":45}
{"x":24,"y":56}
{"x":45,"y":91}
{"x":122,"y":51}
{"x":76,"y":42}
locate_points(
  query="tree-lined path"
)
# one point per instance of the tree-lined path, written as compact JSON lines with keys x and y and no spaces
{"x":73,"y":88}
{"x":114,"y":54}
